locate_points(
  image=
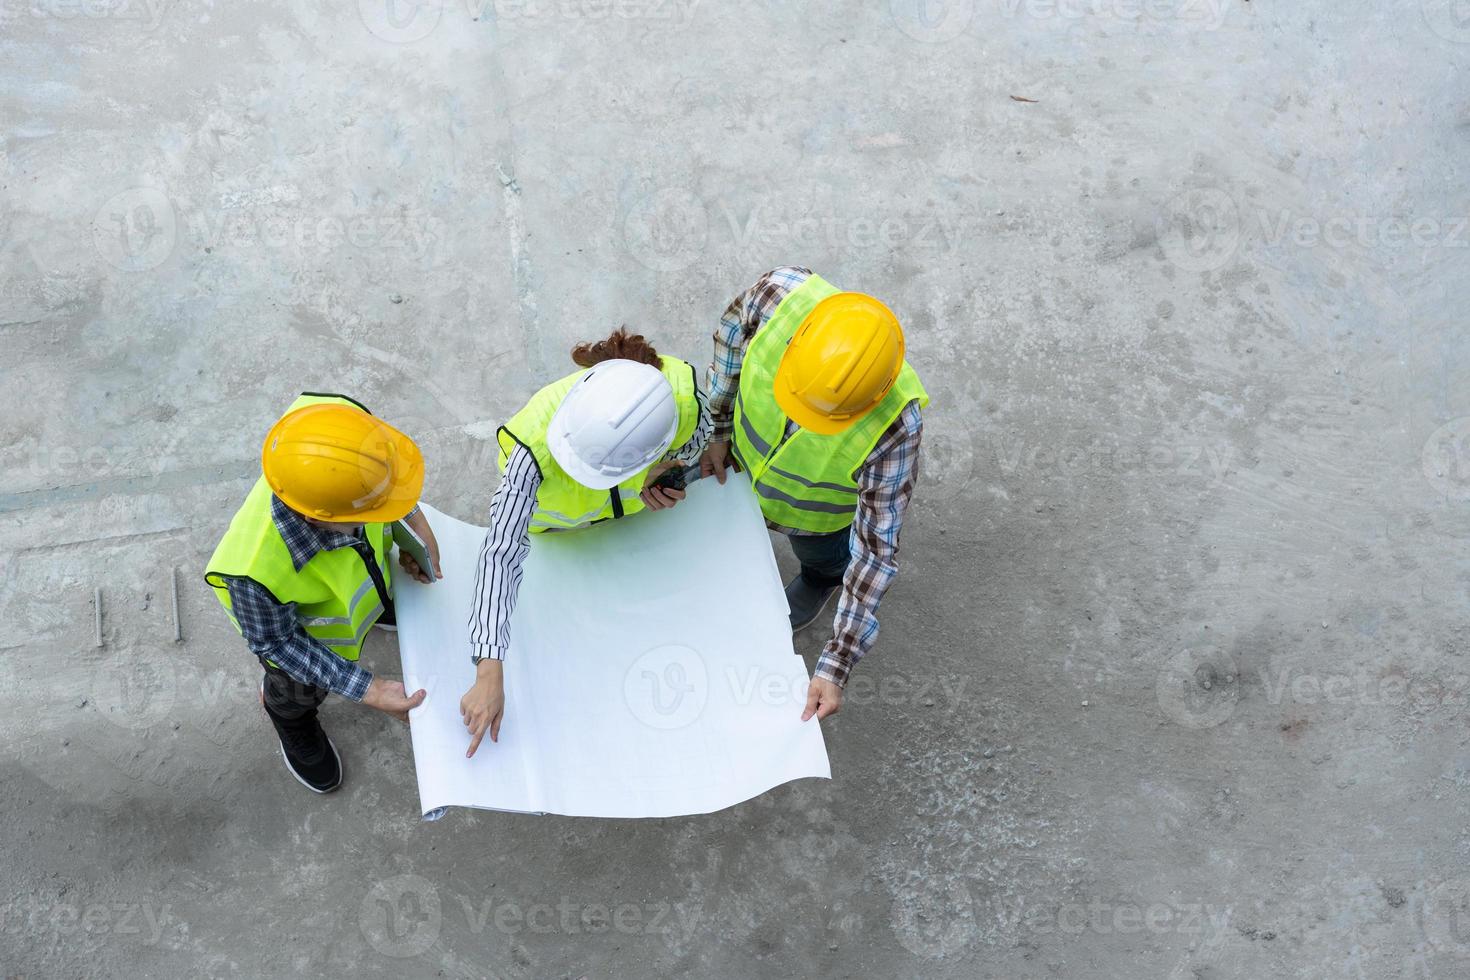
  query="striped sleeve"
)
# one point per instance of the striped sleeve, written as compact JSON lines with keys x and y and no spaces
{"x":507,"y":541}
{"x":688,"y":453}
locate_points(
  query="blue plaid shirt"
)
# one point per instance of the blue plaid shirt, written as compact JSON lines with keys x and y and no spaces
{"x":885,"y":482}
{"x":271,"y":628}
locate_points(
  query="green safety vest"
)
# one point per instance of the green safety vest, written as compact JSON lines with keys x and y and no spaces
{"x":807,"y":481}
{"x":561,"y":502}
{"x":336,"y":602}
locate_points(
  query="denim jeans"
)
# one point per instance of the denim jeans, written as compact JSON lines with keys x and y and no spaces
{"x":823,"y":557}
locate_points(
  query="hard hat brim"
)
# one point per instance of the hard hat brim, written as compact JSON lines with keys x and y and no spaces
{"x":810,"y":419}
{"x":573,"y":467}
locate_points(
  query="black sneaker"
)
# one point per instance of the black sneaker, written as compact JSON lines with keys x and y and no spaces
{"x":309,"y":754}
{"x":806,"y":601}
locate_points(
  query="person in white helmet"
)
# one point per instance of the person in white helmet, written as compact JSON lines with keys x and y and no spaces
{"x":584,"y":449}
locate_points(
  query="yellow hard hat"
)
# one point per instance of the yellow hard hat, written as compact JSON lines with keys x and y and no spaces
{"x":338,"y":463}
{"x":840,"y":363}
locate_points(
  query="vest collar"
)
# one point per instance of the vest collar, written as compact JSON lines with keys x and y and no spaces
{"x":304,"y":540}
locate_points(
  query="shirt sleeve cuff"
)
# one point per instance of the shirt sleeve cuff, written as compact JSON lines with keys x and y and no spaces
{"x":355,"y":686}
{"x":834,"y":667}
{"x":723,"y":431}
{"x":486,"y":651}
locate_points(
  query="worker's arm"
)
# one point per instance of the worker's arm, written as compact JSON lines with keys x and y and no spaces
{"x":273,"y":633}
{"x":885,"y":486}
{"x":497,"y":582}
{"x":420,"y":525}
{"x":746,"y":314}
{"x":689,"y":452}
{"x":658,"y":498}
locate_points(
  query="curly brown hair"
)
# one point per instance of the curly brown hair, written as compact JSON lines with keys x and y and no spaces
{"x":619,"y":344}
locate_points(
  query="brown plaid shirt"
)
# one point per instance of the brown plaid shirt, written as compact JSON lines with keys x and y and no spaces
{"x":885,"y":483}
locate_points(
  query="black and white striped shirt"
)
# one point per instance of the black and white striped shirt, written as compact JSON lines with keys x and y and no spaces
{"x":508,"y":539}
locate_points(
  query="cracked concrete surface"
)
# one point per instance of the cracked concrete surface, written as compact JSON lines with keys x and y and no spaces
{"x":1172,"y":682}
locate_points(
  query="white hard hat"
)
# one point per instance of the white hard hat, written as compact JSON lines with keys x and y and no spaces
{"x":619,"y":418}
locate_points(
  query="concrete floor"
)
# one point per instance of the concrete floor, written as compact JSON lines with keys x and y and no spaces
{"x":1172,"y":683}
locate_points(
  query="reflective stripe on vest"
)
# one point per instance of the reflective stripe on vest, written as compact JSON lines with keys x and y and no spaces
{"x":335,"y":598}
{"x":561,"y":502}
{"x":544,"y":518}
{"x":805,"y":481}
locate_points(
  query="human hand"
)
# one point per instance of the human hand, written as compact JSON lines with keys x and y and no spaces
{"x":660,"y":498}
{"x":483,"y":706}
{"x":823,"y":698}
{"x":714,"y":459}
{"x":390,"y":698}
{"x":420,"y":525}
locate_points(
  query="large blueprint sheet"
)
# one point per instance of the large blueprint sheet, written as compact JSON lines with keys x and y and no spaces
{"x":651,"y":671}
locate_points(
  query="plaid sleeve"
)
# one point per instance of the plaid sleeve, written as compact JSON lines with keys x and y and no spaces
{"x":273,"y":633}
{"x":885,"y":485}
{"x":746,"y":314}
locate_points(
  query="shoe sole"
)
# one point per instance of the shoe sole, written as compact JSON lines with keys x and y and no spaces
{"x":798,"y":627}
{"x":297,"y":776}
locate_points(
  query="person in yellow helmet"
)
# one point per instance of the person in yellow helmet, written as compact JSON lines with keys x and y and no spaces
{"x":303,"y":571}
{"x":583,"y":450}
{"x":812,"y":397}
